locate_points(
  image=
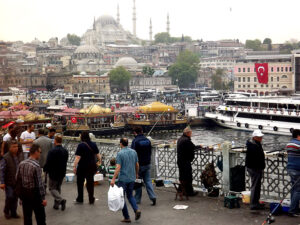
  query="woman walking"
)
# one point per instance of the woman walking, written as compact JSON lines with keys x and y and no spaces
{"x":85,"y":166}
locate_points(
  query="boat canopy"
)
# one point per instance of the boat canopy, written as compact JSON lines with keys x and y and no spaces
{"x":156,"y":107}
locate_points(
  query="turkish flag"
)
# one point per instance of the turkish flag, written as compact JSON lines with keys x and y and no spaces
{"x":73,"y":119}
{"x":262,"y":72}
{"x":8,"y":124}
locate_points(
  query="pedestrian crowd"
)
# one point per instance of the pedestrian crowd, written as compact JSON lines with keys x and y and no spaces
{"x":29,"y":165}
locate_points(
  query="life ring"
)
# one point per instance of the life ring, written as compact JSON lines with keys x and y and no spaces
{"x":246,"y":125}
{"x":268,"y":110}
{"x":291,"y":130}
{"x":242,"y":109}
{"x":238,"y":124}
{"x":248,"y":109}
{"x":260,"y":127}
{"x":275,"y":128}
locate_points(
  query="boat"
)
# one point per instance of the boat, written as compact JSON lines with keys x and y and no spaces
{"x":95,"y":119}
{"x":273,"y":115}
{"x":157,"y":116}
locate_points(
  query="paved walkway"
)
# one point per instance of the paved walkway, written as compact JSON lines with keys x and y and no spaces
{"x":201,"y":211}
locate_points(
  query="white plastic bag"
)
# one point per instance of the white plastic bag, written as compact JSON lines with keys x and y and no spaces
{"x":115,"y":198}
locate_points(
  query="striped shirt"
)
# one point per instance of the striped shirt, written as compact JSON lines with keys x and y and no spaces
{"x":293,"y":150}
{"x":31,"y":174}
{"x":111,"y":172}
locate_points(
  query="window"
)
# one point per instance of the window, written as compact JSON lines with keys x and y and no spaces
{"x":281,"y":69}
{"x":248,"y":79}
{"x":272,"y":69}
{"x":262,"y":85}
{"x":290,"y":69}
{"x":284,"y":87}
{"x":244,"y":79}
{"x":278,"y":79}
{"x":239,"y":85}
{"x":272,"y":79}
{"x":248,"y":85}
{"x":267,"y":85}
{"x":254,"y":70}
{"x":248,"y":70}
{"x":239,"y":79}
{"x":244,"y":70}
{"x":255,"y":79}
{"x":277,"y":85}
{"x":277,"y":69}
{"x":284,"y":76}
{"x":244,"y":86}
{"x":286,"y":69}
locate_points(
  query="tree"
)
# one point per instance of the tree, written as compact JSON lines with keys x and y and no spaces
{"x":162,"y":37}
{"x":147,"y":70}
{"x":74,"y":39}
{"x":267,"y":41}
{"x":184,"y":71}
{"x":119,"y":77}
{"x":216,"y":80}
{"x":254,"y":44}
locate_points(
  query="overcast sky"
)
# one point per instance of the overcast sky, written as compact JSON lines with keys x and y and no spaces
{"x":208,"y":19}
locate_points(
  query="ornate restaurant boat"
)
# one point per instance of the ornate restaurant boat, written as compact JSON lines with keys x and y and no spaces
{"x":275,"y":115}
{"x":97,"y":120}
{"x":157,"y":116}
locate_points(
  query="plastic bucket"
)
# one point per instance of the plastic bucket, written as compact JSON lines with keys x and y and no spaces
{"x":246,"y":197}
{"x":70,"y":177}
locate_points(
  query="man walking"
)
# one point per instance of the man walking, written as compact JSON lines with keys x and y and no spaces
{"x":142,"y":146}
{"x":128,"y":167}
{"x":6,"y":138}
{"x":255,"y":163}
{"x":8,"y":171}
{"x":293,"y":169}
{"x":185,"y":157}
{"x":26,"y":139}
{"x":56,"y":166}
{"x":32,"y":191}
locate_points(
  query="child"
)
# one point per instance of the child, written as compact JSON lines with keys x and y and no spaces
{"x":111,"y":170}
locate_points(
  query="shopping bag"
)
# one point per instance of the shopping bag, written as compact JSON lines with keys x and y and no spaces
{"x":115,"y":198}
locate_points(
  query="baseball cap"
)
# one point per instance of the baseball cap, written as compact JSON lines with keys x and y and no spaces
{"x":48,"y":125}
{"x":257,"y":133}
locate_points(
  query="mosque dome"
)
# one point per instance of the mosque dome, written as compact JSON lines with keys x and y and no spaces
{"x":106,"y":20}
{"x":127,"y":62}
{"x":87,"y":49}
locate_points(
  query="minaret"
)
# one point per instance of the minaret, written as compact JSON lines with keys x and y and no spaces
{"x":150,"y":30}
{"x":134,"y":19}
{"x":118,"y":15}
{"x":94,"y":24}
{"x":168,"y":24}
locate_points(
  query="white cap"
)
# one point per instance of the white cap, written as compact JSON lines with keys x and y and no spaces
{"x":49,"y":125}
{"x":257,"y":133}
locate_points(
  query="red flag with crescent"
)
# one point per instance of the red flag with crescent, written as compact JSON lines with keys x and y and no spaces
{"x":262,"y":72}
{"x":73,"y":119}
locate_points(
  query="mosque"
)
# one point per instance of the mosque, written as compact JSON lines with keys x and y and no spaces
{"x":106,"y":31}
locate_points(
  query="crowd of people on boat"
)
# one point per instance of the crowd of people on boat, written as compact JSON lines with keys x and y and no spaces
{"x":29,"y":165}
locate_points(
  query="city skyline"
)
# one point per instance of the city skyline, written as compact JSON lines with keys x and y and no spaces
{"x":214,"y":20}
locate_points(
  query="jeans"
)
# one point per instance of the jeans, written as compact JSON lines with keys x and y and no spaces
{"x":33,"y":205}
{"x":89,"y":186}
{"x":11,"y":201}
{"x":144,"y":173}
{"x":256,"y":176}
{"x":128,"y":189}
{"x":55,"y":189}
{"x":295,"y":191}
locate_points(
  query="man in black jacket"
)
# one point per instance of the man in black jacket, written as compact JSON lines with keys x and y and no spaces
{"x":56,"y":166}
{"x":185,"y":156}
{"x":255,"y":163}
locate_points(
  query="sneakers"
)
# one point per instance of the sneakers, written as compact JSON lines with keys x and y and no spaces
{"x":63,"y":204}
{"x":153,"y":202}
{"x":56,"y":205}
{"x":138,"y":215}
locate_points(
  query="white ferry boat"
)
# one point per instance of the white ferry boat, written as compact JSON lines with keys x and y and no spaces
{"x":275,"y":115}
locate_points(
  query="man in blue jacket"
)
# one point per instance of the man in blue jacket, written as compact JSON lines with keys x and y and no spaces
{"x":293,"y":169}
{"x":142,"y":146}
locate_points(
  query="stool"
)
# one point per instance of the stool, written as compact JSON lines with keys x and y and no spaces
{"x":231,"y":202}
{"x":180,"y":190}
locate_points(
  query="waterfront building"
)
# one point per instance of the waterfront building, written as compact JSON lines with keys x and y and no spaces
{"x":280,"y":74}
{"x":296,"y":78}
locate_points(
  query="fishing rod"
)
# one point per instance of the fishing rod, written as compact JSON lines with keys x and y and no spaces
{"x":270,"y":219}
{"x":157,"y":122}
